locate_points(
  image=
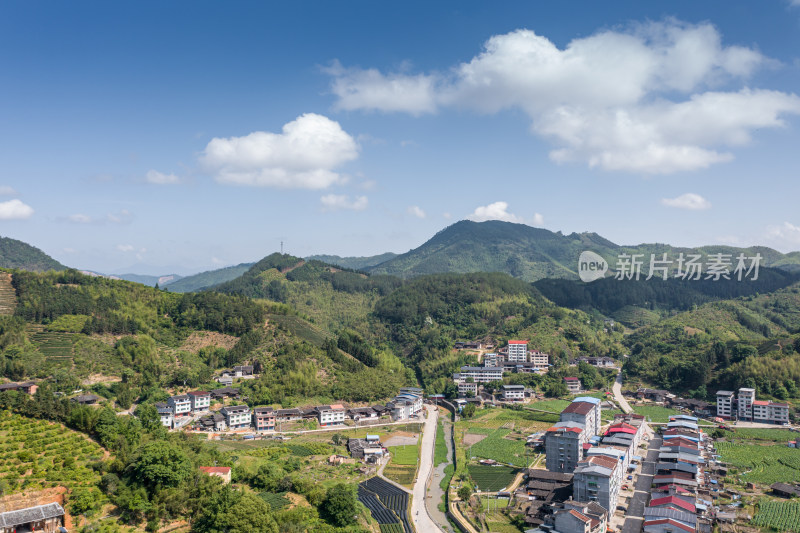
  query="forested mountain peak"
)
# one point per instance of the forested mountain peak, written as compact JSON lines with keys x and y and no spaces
{"x":21,"y":255}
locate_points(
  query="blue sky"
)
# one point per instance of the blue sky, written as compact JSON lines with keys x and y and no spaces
{"x":182,"y":136}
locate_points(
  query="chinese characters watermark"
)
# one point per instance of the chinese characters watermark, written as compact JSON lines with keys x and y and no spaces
{"x":690,"y":267}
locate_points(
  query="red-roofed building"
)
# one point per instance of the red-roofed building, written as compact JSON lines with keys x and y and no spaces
{"x":573,"y":384}
{"x":223,"y":472}
{"x":675,"y":503}
{"x":666,"y":525}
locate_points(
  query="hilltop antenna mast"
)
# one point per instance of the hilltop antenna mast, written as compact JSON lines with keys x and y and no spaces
{"x":281,"y":247}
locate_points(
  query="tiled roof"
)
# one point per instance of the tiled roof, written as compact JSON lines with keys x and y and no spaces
{"x":579,"y":408}
{"x":12,"y":519}
{"x":225,"y":470}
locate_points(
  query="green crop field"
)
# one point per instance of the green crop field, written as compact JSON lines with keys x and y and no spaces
{"x":496,"y":446}
{"x":762,"y":434}
{"x":778,"y":516}
{"x":275,"y":500}
{"x":655,"y":413}
{"x":392,"y":528}
{"x":36,"y":454}
{"x":762,"y":464}
{"x":491,"y":478}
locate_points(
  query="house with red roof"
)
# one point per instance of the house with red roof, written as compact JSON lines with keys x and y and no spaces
{"x":223,"y":472}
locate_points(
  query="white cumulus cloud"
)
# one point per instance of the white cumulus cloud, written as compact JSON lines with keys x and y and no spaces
{"x":416,"y":211}
{"x":690,"y":201}
{"x":125,"y":247}
{"x":494,"y":211}
{"x":538,"y":220}
{"x":159,"y":178}
{"x":15,"y":210}
{"x":336,"y":202}
{"x":639,"y":99}
{"x":304,"y":155}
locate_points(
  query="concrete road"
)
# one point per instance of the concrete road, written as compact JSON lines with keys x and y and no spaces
{"x":634,"y":518}
{"x":617,"y":388}
{"x":419,"y":513}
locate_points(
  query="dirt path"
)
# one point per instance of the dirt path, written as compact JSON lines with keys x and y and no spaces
{"x":617,"y":388}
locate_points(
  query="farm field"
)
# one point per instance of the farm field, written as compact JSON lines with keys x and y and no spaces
{"x":495,"y":520}
{"x":403,"y":474}
{"x":496,"y":446}
{"x":505,"y":431}
{"x":762,"y":464}
{"x":491,"y":478}
{"x":440,"y":449}
{"x":655,"y":413}
{"x":275,"y":500}
{"x":36,"y":454}
{"x":761,"y":434}
{"x":778,"y":515}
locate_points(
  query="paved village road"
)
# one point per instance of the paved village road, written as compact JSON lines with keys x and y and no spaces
{"x":617,"y":388}
{"x":419,"y":513}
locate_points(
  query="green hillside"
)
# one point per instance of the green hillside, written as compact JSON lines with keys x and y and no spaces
{"x":617,"y":298}
{"x":532,"y":253}
{"x":210,"y":278}
{"x":357,"y":263}
{"x":748,"y":341}
{"x":17,"y":254}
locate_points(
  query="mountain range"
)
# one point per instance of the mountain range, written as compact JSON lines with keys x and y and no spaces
{"x":522,"y":251}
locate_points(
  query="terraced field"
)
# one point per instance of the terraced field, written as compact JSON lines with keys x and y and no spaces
{"x":8,"y":295}
{"x":54,"y":345}
{"x":778,"y":516}
{"x":762,"y":464}
{"x":387,"y":504}
{"x":36,"y":454}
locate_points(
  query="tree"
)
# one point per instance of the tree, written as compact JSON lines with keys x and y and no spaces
{"x":340,"y":506}
{"x":465,"y":493}
{"x":84,"y":500}
{"x":468,"y":411}
{"x":148,"y":415}
{"x":161,"y":463}
{"x":232,"y":511}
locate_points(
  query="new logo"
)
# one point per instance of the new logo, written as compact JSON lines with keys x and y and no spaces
{"x":591,"y":266}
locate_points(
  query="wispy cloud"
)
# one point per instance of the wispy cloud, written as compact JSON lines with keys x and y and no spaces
{"x":159,"y":178}
{"x":120,"y":218}
{"x":690,"y":201}
{"x":416,"y":211}
{"x":5,"y":190}
{"x":337,"y":202}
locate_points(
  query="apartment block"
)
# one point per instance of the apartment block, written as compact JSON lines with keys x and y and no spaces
{"x":517,"y":352}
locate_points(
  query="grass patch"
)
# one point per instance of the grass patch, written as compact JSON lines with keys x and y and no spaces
{"x":655,"y":413}
{"x":440,"y":451}
{"x":405,"y":455}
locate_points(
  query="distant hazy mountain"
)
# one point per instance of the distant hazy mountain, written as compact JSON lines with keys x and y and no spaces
{"x":532,"y":253}
{"x":151,"y":280}
{"x":18,"y":254}
{"x":207,"y":279}
{"x":356,"y":263}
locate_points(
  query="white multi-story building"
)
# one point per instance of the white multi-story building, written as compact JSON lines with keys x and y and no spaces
{"x":180,"y":405}
{"x":481,"y":374}
{"x":201,"y":400}
{"x":165,"y":414}
{"x":517,"y":352}
{"x":237,"y":416}
{"x":770,"y":412}
{"x":513,"y":393}
{"x":746,"y":399}
{"x":330,"y":415}
{"x":491,"y":359}
{"x":725,"y":404}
